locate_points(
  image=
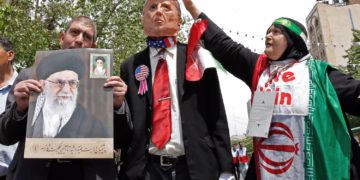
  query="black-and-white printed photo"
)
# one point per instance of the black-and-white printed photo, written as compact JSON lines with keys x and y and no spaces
{"x":100,"y":66}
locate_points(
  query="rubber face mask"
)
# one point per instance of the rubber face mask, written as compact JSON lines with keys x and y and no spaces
{"x":161,"y":18}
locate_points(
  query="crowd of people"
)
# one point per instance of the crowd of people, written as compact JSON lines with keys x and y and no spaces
{"x":168,"y":127}
{"x":239,"y":160}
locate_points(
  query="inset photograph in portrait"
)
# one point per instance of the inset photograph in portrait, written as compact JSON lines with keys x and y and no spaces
{"x":73,"y":116}
{"x":100,"y":65}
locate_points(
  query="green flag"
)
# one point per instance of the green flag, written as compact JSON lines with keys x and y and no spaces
{"x":327,"y":149}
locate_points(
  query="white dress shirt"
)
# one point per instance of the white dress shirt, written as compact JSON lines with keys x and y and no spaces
{"x":175,"y":146}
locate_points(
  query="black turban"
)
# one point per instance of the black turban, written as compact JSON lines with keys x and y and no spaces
{"x":100,"y":58}
{"x":57,"y":62}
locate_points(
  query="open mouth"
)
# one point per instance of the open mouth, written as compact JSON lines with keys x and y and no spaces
{"x":158,"y":20}
{"x":267,"y":44}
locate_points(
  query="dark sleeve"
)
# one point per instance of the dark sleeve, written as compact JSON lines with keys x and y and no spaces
{"x":235,"y":58}
{"x":123,"y":125}
{"x":219,"y":126}
{"x":13,"y":126}
{"x":123,"y":128}
{"x":347,"y":89}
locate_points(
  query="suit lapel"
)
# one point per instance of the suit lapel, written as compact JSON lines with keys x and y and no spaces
{"x":181,"y":64}
{"x":144,"y":59}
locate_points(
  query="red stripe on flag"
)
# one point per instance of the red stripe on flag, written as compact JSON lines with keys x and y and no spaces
{"x":173,"y":40}
{"x":193,"y":72}
{"x":166,"y":40}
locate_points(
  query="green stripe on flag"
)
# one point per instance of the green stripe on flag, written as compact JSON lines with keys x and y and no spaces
{"x":330,"y":140}
{"x":290,"y":25}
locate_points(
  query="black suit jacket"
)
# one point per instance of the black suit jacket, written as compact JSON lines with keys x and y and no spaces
{"x":13,"y":129}
{"x":80,"y":125}
{"x":203,"y":119}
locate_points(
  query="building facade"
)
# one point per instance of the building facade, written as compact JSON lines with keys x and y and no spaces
{"x":330,"y":29}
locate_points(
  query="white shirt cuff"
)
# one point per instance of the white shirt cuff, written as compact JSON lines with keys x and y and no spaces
{"x":120,"y":110}
{"x":226,"y":176}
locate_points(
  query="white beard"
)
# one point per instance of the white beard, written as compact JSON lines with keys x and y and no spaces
{"x":99,"y":70}
{"x":61,"y":107}
{"x":57,"y":112}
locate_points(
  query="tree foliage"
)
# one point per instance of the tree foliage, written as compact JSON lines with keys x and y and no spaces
{"x":36,"y":25}
{"x":353,"y":68}
{"x":353,"y":56}
{"x":27,"y":33}
{"x":247,"y":142}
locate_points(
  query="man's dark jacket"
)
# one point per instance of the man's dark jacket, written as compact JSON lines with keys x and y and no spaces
{"x":204,"y":125}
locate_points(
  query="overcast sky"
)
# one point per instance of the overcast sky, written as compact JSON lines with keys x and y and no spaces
{"x":247,"y":21}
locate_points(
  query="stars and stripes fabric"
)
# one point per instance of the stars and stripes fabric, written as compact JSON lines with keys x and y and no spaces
{"x":161,"y":43}
{"x":141,"y":73}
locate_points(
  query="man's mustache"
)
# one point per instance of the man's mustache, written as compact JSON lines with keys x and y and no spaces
{"x":64,"y":98}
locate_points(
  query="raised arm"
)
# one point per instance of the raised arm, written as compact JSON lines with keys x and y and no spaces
{"x":191,"y":7}
{"x":233,"y":56}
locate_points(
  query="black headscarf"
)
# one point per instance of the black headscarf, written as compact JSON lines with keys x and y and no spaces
{"x":296,"y":48}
